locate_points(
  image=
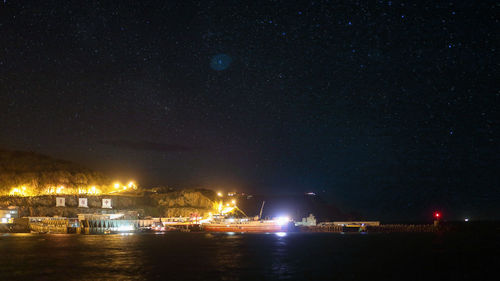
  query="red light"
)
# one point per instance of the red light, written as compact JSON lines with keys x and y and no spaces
{"x":437,"y":215}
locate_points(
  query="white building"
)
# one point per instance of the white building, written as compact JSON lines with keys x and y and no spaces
{"x":309,"y":221}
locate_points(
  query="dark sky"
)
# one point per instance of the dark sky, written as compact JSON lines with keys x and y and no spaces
{"x":387,"y":107}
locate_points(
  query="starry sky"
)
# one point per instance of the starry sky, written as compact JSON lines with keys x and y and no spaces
{"x":385,"y":107}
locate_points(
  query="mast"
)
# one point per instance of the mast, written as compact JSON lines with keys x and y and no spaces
{"x":261,"y":208}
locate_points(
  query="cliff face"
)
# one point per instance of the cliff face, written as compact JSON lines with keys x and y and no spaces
{"x":178,"y":203}
{"x":186,"y":203}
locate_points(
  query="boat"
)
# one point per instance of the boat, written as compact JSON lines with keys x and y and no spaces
{"x":256,"y":225}
{"x":260,"y":226}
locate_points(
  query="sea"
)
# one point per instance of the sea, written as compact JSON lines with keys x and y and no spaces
{"x":234,"y":256}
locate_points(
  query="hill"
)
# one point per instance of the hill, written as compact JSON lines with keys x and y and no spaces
{"x":30,"y":173}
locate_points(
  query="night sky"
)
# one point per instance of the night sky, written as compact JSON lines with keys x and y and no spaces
{"x":386,"y":107}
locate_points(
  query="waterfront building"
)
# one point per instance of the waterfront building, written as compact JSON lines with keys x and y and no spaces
{"x":309,"y":221}
{"x":7,"y":215}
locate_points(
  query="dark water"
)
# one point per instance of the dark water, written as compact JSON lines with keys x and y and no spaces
{"x":201,"y":256}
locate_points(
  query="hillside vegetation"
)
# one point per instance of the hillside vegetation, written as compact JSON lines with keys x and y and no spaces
{"x":38,"y":172}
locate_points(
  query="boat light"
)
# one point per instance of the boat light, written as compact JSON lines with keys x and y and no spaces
{"x":283,"y":220}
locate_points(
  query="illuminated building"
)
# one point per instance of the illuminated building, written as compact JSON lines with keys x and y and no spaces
{"x":7,"y":215}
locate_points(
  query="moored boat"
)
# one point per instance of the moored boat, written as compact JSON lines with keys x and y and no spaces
{"x":255,"y":225}
{"x":259,"y":226}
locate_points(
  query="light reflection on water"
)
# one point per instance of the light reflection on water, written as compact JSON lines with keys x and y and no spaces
{"x":219,"y":256}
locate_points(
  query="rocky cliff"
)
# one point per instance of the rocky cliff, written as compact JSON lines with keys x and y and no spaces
{"x":177,"y":203}
{"x":185,"y":202}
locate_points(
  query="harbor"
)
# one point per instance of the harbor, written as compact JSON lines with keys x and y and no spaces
{"x":131,"y":222}
{"x":132,"y":211}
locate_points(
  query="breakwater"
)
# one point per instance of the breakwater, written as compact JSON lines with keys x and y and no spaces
{"x":386,"y":228}
{"x":383,"y":228}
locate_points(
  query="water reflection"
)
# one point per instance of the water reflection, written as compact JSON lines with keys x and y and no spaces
{"x":219,"y":256}
{"x":281,"y":261}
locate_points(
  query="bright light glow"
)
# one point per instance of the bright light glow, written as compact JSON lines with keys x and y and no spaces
{"x":219,"y":194}
{"x":28,"y":190}
{"x":207,"y":220}
{"x":132,"y":185}
{"x":115,"y":216}
{"x":280,"y":234}
{"x":233,"y":201}
{"x":466,"y":219}
{"x":59,"y":189}
{"x":19,"y":191}
{"x":224,"y":209}
{"x":4,"y":220}
{"x":125,"y":228}
{"x":282,"y":220}
{"x":437,"y":215}
{"x":92,"y":190}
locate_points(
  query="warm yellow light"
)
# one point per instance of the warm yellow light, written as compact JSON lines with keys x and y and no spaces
{"x":233,"y":201}
{"x":14,"y":191}
{"x":219,"y":194}
{"x":226,"y":210}
{"x":26,"y":190}
{"x":93,"y":190}
{"x":59,"y":189}
{"x":19,"y":191}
